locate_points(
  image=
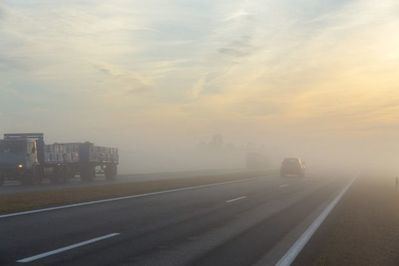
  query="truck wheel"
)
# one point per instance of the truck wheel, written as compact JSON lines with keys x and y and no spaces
{"x":54,"y":176}
{"x":26,"y":180}
{"x":2,"y":179}
{"x":38,"y":175}
{"x":110,"y":172}
{"x":58,"y":175}
{"x":87,"y":174}
{"x":53,"y":179}
{"x":115,"y":171}
{"x":63,"y":175}
{"x":107,"y":172}
{"x":30,"y":178}
{"x":70,"y":173}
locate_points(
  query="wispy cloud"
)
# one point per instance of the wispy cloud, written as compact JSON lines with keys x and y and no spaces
{"x":285,"y":63}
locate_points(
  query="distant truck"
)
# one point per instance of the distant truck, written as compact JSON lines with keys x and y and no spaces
{"x":255,"y":161}
{"x":26,"y":158}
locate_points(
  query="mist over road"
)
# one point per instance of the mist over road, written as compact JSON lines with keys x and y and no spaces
{"x":255,"y":220}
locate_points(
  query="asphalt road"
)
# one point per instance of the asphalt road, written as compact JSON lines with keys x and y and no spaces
{"x":239,"y":223}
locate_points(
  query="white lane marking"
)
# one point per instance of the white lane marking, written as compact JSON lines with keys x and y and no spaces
{"x":56,"y":251}
{"x":284,"y":185}
{"x":239,"y":198}
{"x":123,"y":198}
{"x":297,"y":247}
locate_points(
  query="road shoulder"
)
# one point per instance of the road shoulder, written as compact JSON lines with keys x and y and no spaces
{"x":363,"y":229}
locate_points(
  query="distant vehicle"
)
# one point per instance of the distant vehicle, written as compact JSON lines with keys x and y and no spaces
{"x":26,"y":158}
{"x":292,"y":167}
{"x":255,"y":161}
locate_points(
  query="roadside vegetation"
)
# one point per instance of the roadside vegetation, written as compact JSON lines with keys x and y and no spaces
{"x":362,"y":230}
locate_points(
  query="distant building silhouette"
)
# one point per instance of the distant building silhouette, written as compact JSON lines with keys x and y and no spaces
{"x":216,"y":142}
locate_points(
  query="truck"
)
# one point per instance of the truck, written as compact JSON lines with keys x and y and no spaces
{"x":255,"y":161}
{"x":26,"y":158}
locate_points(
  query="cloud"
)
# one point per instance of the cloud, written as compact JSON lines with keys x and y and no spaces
{"x":238,"y":15}
{"x":278,"y":64}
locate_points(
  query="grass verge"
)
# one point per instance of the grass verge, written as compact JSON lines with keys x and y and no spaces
{"x":363,"y":229}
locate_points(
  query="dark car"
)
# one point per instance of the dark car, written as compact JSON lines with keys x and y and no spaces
{"x":292,"y":167}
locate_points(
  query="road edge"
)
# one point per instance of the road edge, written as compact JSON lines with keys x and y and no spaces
{"x":300,"y":243}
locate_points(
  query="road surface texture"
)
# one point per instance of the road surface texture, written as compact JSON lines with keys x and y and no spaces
{"x":250,"y":222}
{"x":363,"y":229}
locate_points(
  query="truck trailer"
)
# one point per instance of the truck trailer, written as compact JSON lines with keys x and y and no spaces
{"x":26,"y":158}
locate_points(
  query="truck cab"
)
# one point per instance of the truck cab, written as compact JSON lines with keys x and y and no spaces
{"x":24,"y":157}
{"x":18,"y":158}
{"x":18,"y":153}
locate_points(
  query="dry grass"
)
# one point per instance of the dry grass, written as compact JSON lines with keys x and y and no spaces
{"x":39,"y":199}
{"x":362,"y":230}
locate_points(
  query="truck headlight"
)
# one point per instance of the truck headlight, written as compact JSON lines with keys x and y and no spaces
{"x":20,"y":166}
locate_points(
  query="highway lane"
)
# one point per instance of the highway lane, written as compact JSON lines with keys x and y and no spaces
{"x":230,"y":224}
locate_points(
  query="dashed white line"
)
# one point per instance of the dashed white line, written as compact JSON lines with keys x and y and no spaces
{"x":284,"y":185}
{"x":56,"y":251}
{"x":239,"y":198}
{"x":297,"y":247}
{"x":123,"y":198}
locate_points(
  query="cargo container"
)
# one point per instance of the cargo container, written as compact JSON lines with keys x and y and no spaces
{"x":26,"y":158}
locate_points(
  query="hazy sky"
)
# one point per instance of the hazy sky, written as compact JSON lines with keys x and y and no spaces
{"x":124,"y":72}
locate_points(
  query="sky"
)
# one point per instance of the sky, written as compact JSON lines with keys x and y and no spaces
{"x":300,"y":76}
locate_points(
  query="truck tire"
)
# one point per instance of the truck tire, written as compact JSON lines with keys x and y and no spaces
{"x":107,"y":172}
{"x":26,"y":180}
{"x":62,"y":175}
{"x":53,"y":179}
{"x":110,"y":172}
{"x":31,"y":177}
{"x":59,"y":175}
{"x":87,"y":173}
{"x":2,"y":179}
{"x":39,"y":171}
{"x":70,"y":172}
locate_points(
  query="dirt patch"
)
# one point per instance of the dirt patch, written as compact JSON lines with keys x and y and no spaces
{"x":362,"y":230}
{"x":39,"y":199}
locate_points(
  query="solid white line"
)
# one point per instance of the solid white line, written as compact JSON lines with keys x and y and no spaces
{"x":239,"y":198}
{"x":297,"y":247}
{"x":123,"y":198}
{"x":56,"y":251}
